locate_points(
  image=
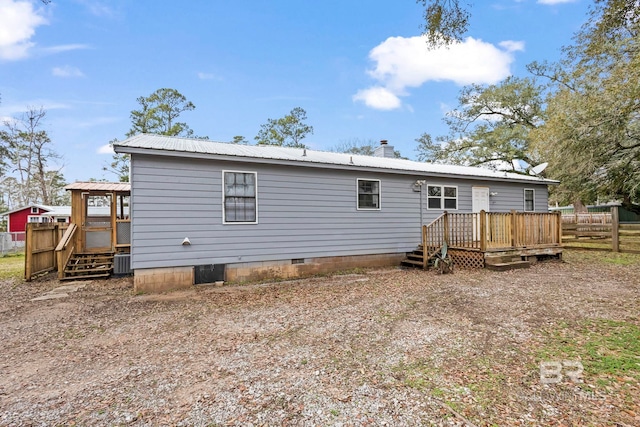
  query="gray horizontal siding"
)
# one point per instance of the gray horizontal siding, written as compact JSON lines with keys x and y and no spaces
{"x":511,"y":196}
{"x":302,"y":212}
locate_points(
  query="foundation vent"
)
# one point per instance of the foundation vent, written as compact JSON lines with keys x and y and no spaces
{"x":209,"y":273}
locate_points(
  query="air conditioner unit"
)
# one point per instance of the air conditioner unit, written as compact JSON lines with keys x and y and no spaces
{"x":122,"y":264}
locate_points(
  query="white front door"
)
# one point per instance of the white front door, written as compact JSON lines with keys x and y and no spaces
{"x":480,"y":199}
{"x":479,"y":202}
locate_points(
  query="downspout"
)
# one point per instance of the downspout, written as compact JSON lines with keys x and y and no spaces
{"x":421,"y":209}
{"x":417,"y":187}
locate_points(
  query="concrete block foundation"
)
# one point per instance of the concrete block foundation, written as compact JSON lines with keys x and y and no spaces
{"x":172,"y":278}
{"x":153,"y":280}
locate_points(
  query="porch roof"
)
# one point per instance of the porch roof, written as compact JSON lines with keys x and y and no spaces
{"x":100,"y":186}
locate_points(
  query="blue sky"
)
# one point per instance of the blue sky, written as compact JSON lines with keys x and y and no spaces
{"x":359,"y":69}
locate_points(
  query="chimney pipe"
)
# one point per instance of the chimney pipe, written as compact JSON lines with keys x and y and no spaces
{"x":383,"y":142}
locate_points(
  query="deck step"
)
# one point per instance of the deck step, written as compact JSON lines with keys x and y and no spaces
{"x":411,"y":263}
{"x":89,"y":266}
{"x":501,"y":259}
{"x":504,"y":266}
{"x":88,"y":276}
{"x":90,"y":269}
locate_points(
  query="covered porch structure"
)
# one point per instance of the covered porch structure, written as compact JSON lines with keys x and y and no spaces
{"x":99,"y":234}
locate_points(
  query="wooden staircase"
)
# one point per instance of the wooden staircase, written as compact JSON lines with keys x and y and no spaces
{"x":415,"y":259}
{"x":89,"y":266}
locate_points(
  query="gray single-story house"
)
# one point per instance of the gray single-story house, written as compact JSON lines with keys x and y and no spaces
{"x":203,"y":210}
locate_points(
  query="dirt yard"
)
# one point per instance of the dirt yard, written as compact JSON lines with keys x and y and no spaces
{"x":383,"y":347}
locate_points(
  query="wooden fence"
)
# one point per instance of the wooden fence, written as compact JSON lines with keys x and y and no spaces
{"x":600,"y":231}
{"x":40,"y":245}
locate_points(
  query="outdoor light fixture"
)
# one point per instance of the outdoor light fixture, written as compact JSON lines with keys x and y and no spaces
{"x":417,"y":186}
{"x":493,"y":193}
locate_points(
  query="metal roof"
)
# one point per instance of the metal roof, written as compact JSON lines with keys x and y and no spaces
{"x":99,"y":186}
{"x":34,"y":205}
{"x":59,"y":211}
{"x":199,"y":148}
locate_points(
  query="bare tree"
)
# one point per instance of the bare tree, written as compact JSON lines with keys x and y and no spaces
{"x":30,"y":158}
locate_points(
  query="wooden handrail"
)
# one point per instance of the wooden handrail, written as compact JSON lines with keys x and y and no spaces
{"x":64,"y":250}
{"x":436,"y":220}
{"x":66,"y":238}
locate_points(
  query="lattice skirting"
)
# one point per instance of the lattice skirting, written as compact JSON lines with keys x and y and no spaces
{"x":466,"y":259}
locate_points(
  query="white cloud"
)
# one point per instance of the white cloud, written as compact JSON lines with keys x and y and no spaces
{"x":552,"y":2}
{"x":18,"y":23}
{"x":402,"y":63}
{"x":67,"y":71}
{"x":97,"y":8}
{"x":207,"y":76}
{"x":512,"y":46}
{"x":7,"y":120}
{"x":16,"y":108}
{"x":378,"y":97}
{"x":63,"y":48}
{"x":105,"y":149}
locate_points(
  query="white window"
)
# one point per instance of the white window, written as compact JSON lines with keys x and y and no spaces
{"x":368,"y":194}
{"x":33,"y":218}
{"x":34,"y":210}
{"x":442,"y":197}
{"x":529,"y":199}
{"x":240,"y":197}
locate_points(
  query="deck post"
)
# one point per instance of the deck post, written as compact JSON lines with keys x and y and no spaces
{"x":559,"y":227}
{"x":615,"y":229}
{"x":483,"y":230}
{"x":425,"y":247}
{"x":514,"y":225}
{"x":445,"y":221}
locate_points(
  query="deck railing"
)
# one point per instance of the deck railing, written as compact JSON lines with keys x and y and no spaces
{"x":433,"y":235}
{"x":486,"y":231}
{"x":65,"y":249}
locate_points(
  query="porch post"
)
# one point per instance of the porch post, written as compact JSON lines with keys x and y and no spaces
{"x":446,"y":227}
{"x":483,"y":230}
{"x":114,"y":214}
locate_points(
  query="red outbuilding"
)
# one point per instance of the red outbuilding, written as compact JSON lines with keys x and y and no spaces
{"x":17,"y":219}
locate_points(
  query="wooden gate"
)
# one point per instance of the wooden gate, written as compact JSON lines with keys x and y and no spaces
{"x":40,"y":246}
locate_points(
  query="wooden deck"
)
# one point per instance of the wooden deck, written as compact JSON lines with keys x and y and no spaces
{"x":480,"y":239}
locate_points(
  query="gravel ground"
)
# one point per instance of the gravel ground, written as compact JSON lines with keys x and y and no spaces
{"x":378,"y":347}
